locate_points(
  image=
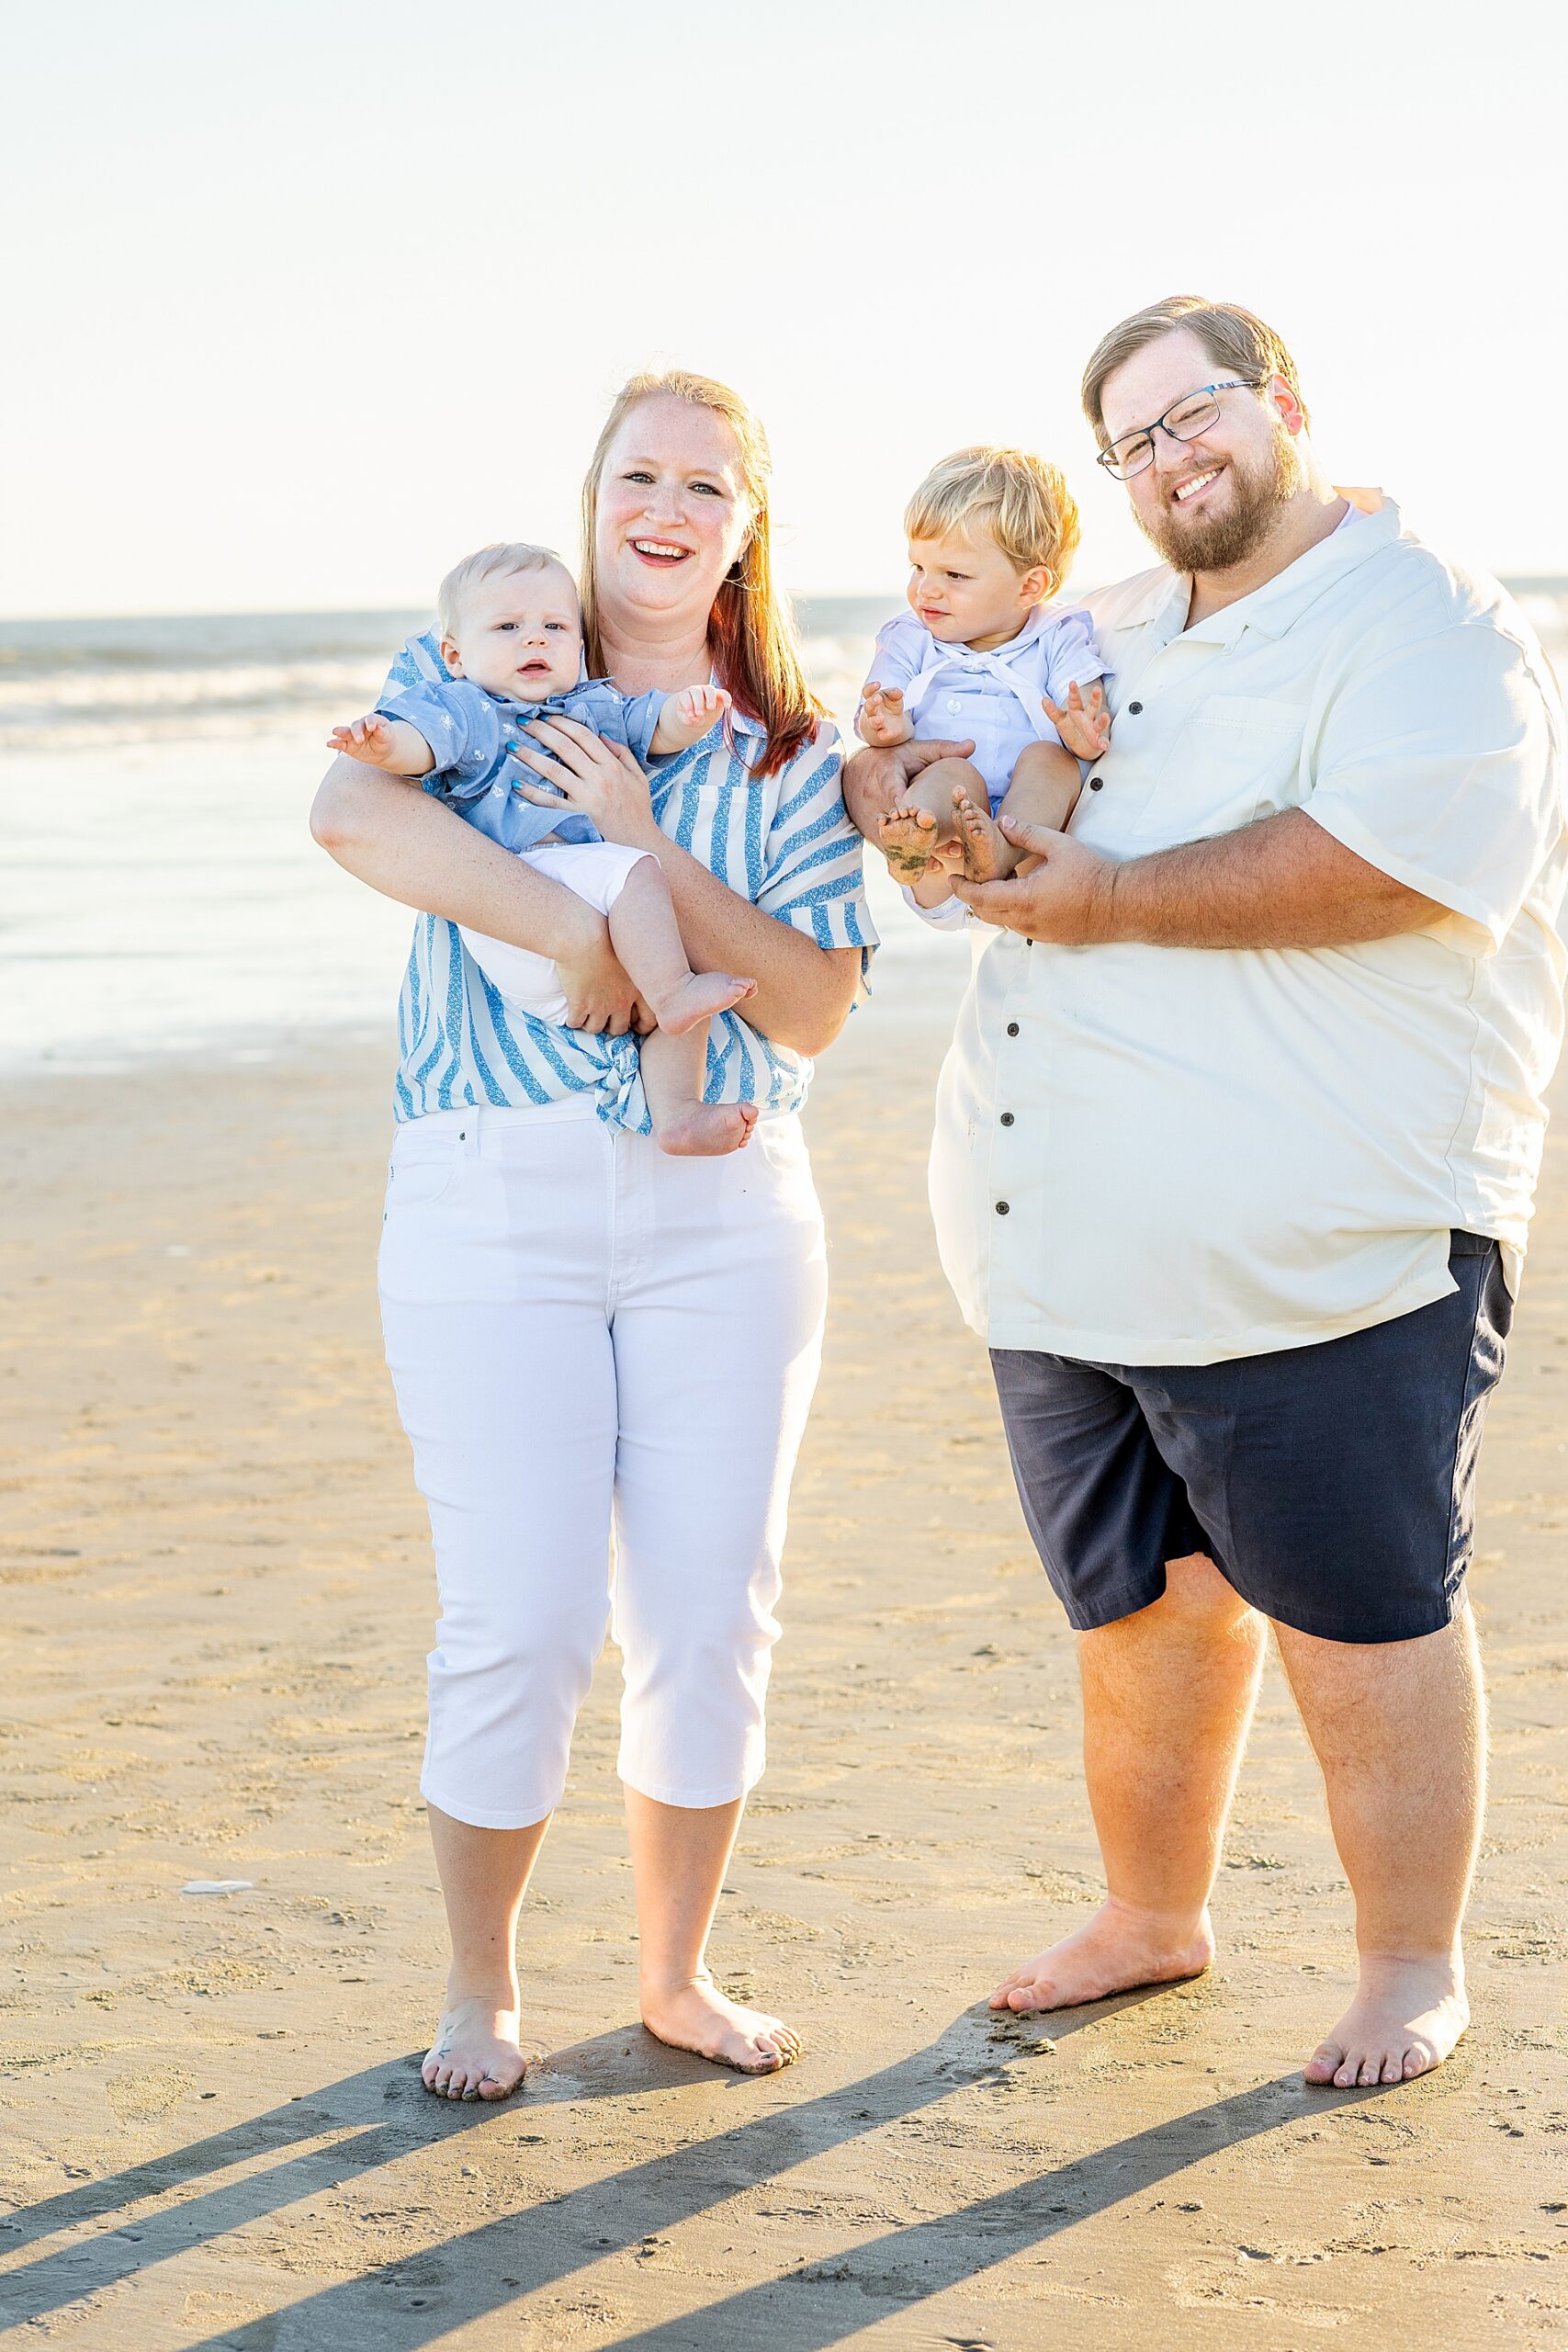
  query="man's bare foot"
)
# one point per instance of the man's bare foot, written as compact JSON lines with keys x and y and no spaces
{"x":696,"y":2016}
{"x":707,"y":1130}
{"x":698,"y":998}
{"x":1117,"y":1949}
{"x":988,"y":856}
{"x":1405,"y":2018}
{"x":475,"y":2053}
{"x":906,"y":838}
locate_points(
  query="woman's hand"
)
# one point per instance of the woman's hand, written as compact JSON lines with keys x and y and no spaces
{"x":600,"y":996}
{"x":589,"y":778}
{"x":875,"y":782}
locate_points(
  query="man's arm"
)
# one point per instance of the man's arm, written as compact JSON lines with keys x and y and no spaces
{"x":1282,"y":882}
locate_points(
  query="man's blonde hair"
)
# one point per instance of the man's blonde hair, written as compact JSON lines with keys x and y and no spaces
{"x":486,"y":563}
{"x":1015,"y":497}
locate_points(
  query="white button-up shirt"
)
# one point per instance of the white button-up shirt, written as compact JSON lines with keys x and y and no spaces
{"x":1162,"y":1155}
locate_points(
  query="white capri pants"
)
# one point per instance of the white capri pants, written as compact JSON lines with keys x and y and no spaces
{"x":596,"y":871}
{"x":589,"y":1336}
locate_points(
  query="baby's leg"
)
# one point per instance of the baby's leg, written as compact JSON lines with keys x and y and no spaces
{"x":1042,"y":790}
{"x":924,"y":817}
{"x":646,"y":937}
{"x":672,"y":1070}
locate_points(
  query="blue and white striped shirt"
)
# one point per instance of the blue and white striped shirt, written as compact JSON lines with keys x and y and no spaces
{"x":784,"y":841}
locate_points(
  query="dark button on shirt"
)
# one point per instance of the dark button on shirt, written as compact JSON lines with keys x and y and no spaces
{"x":1007,"y":1118}
{"x":1135,"y":708}
{"x":1001,"y":1208}
{"x":1012,"y":1028}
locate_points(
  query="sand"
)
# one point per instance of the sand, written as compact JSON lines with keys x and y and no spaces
{"x":219,"y":1595}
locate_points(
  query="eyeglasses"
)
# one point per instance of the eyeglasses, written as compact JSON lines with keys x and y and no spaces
{"x":1190,"y":417}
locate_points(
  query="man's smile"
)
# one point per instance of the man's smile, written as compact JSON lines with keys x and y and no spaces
{"x":1195,"y":485}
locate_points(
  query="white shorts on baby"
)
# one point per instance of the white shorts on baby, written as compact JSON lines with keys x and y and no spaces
{"x":597,"y":871}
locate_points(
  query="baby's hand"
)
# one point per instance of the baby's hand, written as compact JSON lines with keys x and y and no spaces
{"x":883,"y":722}
{"x":696,"y":708}
{"x":369,"y":740}
{"x":1083,"y":728}
{"x":688,"y":717}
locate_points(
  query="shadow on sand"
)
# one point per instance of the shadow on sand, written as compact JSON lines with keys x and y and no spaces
{"x":384,"y":2114}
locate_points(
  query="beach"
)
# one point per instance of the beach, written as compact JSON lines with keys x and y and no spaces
{"x":219,"y":1598}
{"x":219,"y":1595}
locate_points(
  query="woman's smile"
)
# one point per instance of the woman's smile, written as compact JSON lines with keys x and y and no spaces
{"x":662,"y":553}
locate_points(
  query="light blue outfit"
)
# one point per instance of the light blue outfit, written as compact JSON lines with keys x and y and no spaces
{"x":952,"y":691}
{"x":783,"y":841}
{"x":470,"y":731}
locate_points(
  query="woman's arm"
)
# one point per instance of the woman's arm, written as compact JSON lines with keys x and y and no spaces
{"x":803,"y":991}
{"x":394,"y":836}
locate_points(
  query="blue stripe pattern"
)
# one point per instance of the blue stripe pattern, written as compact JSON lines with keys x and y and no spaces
{"x":784,"y":841}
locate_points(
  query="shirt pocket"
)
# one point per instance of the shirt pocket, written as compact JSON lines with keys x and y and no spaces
{"x":1239,"y":757}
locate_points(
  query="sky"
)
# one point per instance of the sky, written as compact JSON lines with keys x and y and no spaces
{"x":306,"y":299}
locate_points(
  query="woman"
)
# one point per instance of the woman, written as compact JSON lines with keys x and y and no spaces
{"x":582,"y":1330}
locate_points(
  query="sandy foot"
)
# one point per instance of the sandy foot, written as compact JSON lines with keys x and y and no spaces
{"x":1405,"y":2018}
{"x":475,"y":2053}
{"x":1115,"y":1951}
{"x":907,"y":838}
{"x":988,"y":856}
{"x":708,"y":1129}
{"x":696,"y":2016}
{"x":699,"y":999}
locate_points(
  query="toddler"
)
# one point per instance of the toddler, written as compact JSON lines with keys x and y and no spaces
{"x":982,"y":654}
{"x":512,"y":636}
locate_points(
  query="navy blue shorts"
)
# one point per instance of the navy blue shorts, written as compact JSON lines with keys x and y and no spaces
{"x":1334,"y":1485}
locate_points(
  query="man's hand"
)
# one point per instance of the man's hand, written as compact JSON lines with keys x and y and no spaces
{"x":1084,"y":727}
{"x":1063,"y":893}
{"x":876,"y":782}
{"x":884,"y":720}
{"x":600,"y":995}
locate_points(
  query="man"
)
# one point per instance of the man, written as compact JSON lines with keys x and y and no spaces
{"x":1234,"y":1158}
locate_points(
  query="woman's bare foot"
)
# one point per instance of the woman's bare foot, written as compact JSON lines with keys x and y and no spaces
{"x":696,"y":2016}
{"x":906,"y":838}
{"x":1405,"y":2018}
{"x":1116,"y":1951}
{"x":707,"y":1130}
{"x":988,"y":856}
{"x":475,"y":2053}
{"x":698,"y":999}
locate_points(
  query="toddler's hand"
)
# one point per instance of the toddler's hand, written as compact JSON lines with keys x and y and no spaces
{"x":698,"y":707}
{"x":883,"y":722}
{"x":369,"y":740}
{"x":1084,"y":727}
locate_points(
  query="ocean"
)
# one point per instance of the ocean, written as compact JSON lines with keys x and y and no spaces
{"x":162,"y":893}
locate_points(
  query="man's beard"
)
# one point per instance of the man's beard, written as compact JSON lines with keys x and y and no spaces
{"x":1199,"y":542}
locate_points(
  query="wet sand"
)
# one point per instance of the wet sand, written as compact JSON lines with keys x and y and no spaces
{"x":218,"y":1599}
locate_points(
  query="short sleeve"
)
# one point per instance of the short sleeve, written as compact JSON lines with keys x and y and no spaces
{"x":641,"y":714}
{"x":1072,"y":655}
{"x":462,"y":726}
{"x":1437,"y":763}
{"x":897,"y":655}
{"x":948,"y":914}
{"x":814,"y":879}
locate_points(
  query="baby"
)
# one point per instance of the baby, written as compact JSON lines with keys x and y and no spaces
{"x":981,"y":655}
{"x":511,"y":637}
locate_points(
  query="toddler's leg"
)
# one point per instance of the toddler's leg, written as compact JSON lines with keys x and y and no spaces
{"x":1042,"y":790}
{"x":924,"y":819}
{"x":646,"y":937}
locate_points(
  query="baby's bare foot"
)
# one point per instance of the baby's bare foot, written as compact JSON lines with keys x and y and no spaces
{"x":988,"y":856}
{"x":475,"y":2053}
{"x":706,"y":1130}
{"x":907,"y":838}
{"x":698,"y":999}
{"x":696,"y":2016}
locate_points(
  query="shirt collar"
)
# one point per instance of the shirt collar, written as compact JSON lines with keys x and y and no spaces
{"x":1270,"y":610}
